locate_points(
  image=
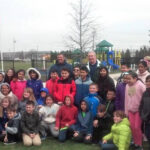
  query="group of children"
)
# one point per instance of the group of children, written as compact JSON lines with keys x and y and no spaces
{"x":75,"y":107}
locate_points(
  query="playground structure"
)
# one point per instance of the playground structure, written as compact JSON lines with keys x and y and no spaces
{"x":108,"y":56}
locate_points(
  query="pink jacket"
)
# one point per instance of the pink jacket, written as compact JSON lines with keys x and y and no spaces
{"x":18,"y":87}
{"x":143,"y":75}
{"x":133,"y":95}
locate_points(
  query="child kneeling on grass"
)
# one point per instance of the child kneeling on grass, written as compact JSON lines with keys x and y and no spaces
{"x":120,"y":136}
{"x":30,"y":125}
{"x":12,"y":126}
{"x":66,"y":118}
{"x":84,"y":127}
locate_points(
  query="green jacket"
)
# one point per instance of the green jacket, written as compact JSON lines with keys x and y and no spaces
{"x":120,"y":134}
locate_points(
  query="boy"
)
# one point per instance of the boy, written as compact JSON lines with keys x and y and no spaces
{"x":76,"y":72}
{"x":102,"y":124}
{"x":51,"y":83}
{"x":125,"y":67}
{"x":65,"y":85}
{"x":12,"y":127}
{"x":82,"y":85}
{"x":110,"y":102}
{"x":93,"y":99}
{"x":30,"y":124}
{"x":66,"y":118}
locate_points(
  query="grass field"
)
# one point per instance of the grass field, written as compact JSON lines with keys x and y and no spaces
{"x":53,"y":144}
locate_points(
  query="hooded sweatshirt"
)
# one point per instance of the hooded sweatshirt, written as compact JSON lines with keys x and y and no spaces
{"x":120,"y":134}
{"x":35,"y":84}
{"x":143,"y":76}
{"x":41,"y":100}
{"x":66,"y":115}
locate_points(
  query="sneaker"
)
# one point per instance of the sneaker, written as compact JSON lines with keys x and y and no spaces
{"x":137,"y":147}
{"x":10,"y":143}
{"x":43,"y":138}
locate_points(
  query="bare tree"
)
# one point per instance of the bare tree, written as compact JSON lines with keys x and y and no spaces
{"x":83,"y":32}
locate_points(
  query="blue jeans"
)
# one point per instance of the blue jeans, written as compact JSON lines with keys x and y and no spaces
{"x":108,"y":146}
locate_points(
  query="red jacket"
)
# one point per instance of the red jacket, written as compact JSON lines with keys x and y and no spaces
{"x":51,"y":86}
{"x":63,"y":88}
{"x":66,"y":115}
{"x":18,"y":87}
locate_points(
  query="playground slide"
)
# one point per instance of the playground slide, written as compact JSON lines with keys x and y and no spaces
{"x":111,"y":63}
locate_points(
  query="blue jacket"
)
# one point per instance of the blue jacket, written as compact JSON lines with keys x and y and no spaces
{"x":35,"y":84}
{"x":82,"y":89}
{"x":41,"y":100}
{"x":3,"y":120}
{"x":93,"y":101}
{"x":84,"y":124}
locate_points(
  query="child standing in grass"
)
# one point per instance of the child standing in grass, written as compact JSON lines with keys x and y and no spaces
{"x":133,"y":95}
{"x":83,"y":127}
{"x":66,"y":118}
{"x":19,"y":85}
{"x":34,"y":81}
{"x":30,"y":125}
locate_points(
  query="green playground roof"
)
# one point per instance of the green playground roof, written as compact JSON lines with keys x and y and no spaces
{"x":77,"y":51}
{"x":104,"y":43}
{"x":102,"y":49}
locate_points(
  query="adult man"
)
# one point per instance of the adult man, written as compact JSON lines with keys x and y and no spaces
{"x":60,"y":63}
{"x":93,"y":65}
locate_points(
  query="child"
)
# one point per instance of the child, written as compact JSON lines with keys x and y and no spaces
{"x":102,"y":124}
{"x":34,"y":81}
{"x":10,"y":73}
{"x":83,"y":127}
{"x":110,"y":102}
{"x":51,"y":83}
{"x":133,"y":95}
{"x":93,"y":99}
{"x":5,"y":103}
{"x":48,"y":116}
{"x":65,"y":85}
{"x":120,"y":93}
{"x":144,"y":109}
{"x":1,"y":77}
{"x":30,"y":124}
{"x":41,"y":100}
{"x":27,"y":96}
{"x":125,"y":67}
{"x":82,"y":85}
{"x":120,"y":136}
{"x":12,"y":126}
{"x":142,"y":71}
{"x":76,"y":72}
{"x":66,"y":118}
{"x":105,"y":82}
{"x":18,"y":86}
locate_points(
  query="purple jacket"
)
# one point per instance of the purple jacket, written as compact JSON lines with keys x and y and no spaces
{"x":120,"y":96}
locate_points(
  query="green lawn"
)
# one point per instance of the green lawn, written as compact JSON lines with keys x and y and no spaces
{"x":53,"y":144}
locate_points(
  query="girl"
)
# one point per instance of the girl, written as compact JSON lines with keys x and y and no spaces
{"x":83,"y":127}
{"x":66,"y":118}
{"x":27,"y":96}
{"x":120,"y":135}
{"x":18,"y":86}
{"x":133,"y":94}
{"x":142,"y":71}
{"x":5,"y":103}
{"x":10,"y":73}
{"x":145,"y":109}
{"x":34,"y":81}
{"x":6,"y":91}
{"x":48,"y":116}
{"x":105,"y":82}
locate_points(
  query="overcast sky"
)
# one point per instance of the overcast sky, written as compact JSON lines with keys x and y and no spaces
{"x":43,"y":24}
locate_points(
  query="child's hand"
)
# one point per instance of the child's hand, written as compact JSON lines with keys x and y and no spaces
{"x":95,"y":123}
{"x":104,"y":141}
{"x":75,"y":134}
{"x":40,"y":106}
{"x":6,"y":124}
{"x":32,"y":135}
{"x":3,"y":132}
{"x":5,"y":139}
{"x":67,"y":125}
{"x":88,"y":137}
{"x":56,"y":128}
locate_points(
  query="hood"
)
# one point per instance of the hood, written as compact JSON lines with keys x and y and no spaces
{"x":39,"y":75}
{"x":143,"y":74}
{"x":71,"y":98}
{"x":4,"y":84}
{"x":17,"y":116}
{"x":87,"y":105}
{"x":87,"y":78}
{"x":126,"y":122}
{"x":44,"y":90}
